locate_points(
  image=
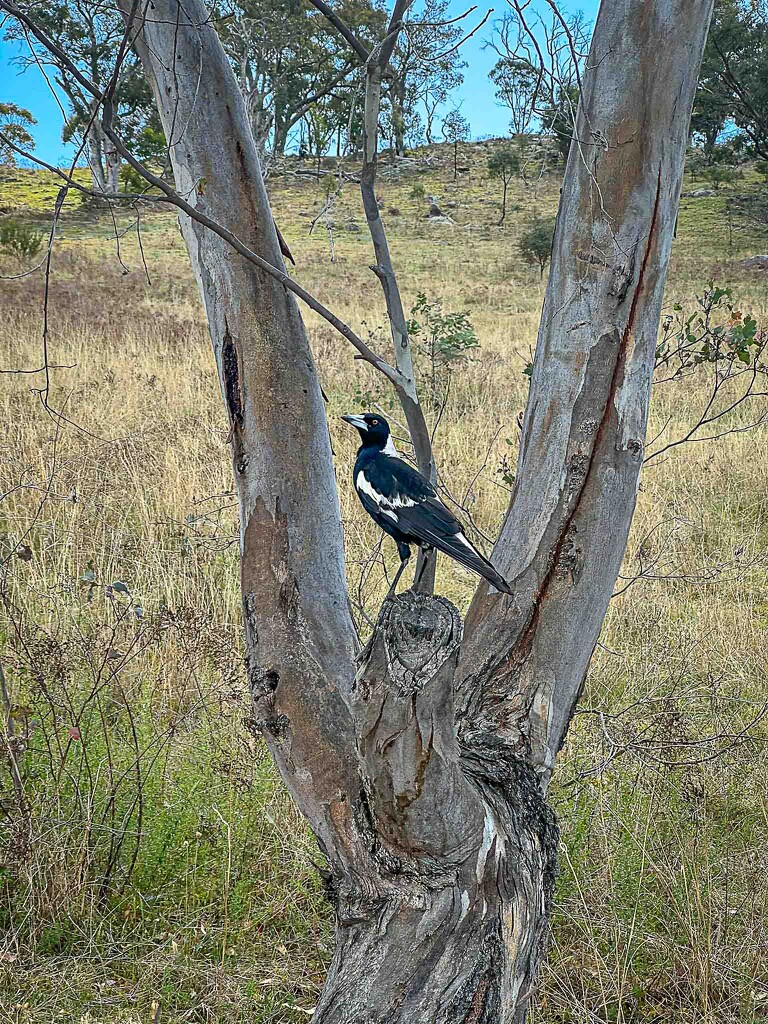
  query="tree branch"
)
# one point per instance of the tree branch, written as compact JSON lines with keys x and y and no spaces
{"x":342,"y":28}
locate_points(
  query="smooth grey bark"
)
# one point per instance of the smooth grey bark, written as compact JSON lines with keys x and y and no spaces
{"x":423,"y":766}
{"x":103,"y":161}
{"x":300,"y":637}
{"x":523,"y":665}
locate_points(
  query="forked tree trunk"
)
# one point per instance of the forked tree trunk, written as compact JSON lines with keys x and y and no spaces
{"x":423,"y":766}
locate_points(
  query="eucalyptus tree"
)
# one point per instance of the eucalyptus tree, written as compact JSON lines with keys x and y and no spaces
{"x":537,"y":73}
{"x":424,"y":70}
{"x":516,"y":78}
{"x":287,"y":59}
{"x":422,"y":761}
{"x":91,"y":34}
{"x":734,"y":77}
{"x":455,"y":129}
{"x":16,"y":125}
{"x":504,"y":164}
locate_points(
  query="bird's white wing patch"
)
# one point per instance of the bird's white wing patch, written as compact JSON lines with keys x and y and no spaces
{"x":398,"y":501}
{"x":363,"y":485}
{"x":401,"y":501}
{"x":463,"y":541}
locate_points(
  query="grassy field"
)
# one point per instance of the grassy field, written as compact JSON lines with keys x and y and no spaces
{"x":151,"y":865}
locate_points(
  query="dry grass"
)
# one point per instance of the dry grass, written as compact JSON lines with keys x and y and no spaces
{"x":201,"y":896}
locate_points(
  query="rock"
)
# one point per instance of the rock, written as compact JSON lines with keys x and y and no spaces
{"x":393,"y":211}
{"x":355,"y":229}
{"x":755,"y":263}
{"x":451,"y":205}
{"x":699,"y":193}
{"x":445,"y":221}
{"x":434,"y":210}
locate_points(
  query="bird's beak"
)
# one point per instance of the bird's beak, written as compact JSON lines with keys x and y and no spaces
{"x":356,"y":421}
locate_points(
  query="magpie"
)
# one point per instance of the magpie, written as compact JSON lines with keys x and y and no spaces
{"x":406,"y":506}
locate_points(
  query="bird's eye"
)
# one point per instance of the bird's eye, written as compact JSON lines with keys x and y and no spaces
{"x":374,"y":423}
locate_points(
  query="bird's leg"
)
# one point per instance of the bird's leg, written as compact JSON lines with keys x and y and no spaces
{"x":405,"y":556}
{"x":426,"y":551}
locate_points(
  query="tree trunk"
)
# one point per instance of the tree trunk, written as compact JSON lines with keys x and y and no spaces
{"x":280,"y":135}
{"x":94,"y":151}
{"x":423,"y":767}
{"x":112,"y":163}
{"x":451,"y":926}
{"x":503,"y":204}
{"x":292,"y":564}
{"x":397,"y":101}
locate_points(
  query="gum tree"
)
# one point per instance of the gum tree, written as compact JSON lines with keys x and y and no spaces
{"x":422,"y":762}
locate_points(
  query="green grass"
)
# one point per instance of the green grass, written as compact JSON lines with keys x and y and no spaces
{"x":204,"y":899}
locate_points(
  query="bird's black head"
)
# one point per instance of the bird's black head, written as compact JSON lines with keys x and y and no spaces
{"x":374,"y":429}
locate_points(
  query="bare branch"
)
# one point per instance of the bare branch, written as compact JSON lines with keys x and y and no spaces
{"x":464,"y":39}
{"x":342,"y":28}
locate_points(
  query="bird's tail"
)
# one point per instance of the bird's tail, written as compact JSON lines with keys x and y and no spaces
{"x":460,"y":549}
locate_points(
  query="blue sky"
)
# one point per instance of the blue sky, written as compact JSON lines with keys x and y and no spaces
{"x":476,"y":96}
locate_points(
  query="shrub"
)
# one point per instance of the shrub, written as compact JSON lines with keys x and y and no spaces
{"x":22,"y":241}
{"x":719,"y":174}
{"x":535,"y":243}
{"x":445,"y":338}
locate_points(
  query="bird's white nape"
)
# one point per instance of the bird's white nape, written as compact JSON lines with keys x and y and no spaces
{"x":389,"y":448}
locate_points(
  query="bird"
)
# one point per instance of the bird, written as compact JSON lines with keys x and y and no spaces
{"x":405,"y":505}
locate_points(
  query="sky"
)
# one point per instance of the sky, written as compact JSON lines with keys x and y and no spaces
{"x":476,"y":95}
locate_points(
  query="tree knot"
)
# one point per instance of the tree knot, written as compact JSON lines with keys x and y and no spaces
{"x":418,"y":634}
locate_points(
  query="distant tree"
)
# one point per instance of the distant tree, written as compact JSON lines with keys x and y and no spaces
{"x":707,"y":123}
{"x":287,"y":59}
{"x":423,"y":71}
{"x":91,"y":34}
{"x":504,"y":163}
{"x":733,"y":84}
{"x":535,"y":243}
{"x":517,"y":81}
{"x":15,"y":123}
{"x":538,"y":70}
{"x":455,"y":130}
{"x":320,"y":128}
{"x":557,"y":117}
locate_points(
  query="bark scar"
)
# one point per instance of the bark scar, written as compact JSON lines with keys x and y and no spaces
{"x":523,"y":643}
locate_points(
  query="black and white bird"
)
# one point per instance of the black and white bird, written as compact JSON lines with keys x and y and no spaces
{"x":406,"y":506}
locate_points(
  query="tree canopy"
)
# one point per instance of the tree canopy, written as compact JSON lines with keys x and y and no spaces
{"x":733,"y":85}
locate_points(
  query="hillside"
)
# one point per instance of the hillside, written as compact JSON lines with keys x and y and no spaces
{"x":161,"y":868}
